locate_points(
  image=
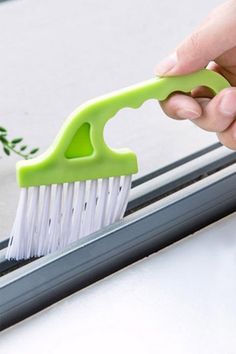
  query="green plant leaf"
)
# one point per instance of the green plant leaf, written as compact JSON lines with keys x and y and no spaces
{"x":34,"y":151}
{"x":3,"y":139}
{"x":6,"y":150}
{"x":23,"y":147}
{"x":10,"y":146}
{"x":16,"y":140}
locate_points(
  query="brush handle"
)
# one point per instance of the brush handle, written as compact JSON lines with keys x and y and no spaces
{"x":98,"y":111}
{"x":80,"y":152}
{"x":160,"y":88}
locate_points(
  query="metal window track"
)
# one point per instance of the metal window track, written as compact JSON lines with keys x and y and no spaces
{"x":165,"y":206}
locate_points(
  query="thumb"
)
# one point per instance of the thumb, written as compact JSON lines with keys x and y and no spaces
{"x":214,"y":37}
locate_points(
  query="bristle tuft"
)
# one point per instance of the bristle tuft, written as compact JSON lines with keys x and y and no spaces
{"x":49,"y":218}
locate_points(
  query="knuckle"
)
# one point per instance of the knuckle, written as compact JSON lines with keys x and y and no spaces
{"x":170,"y":107}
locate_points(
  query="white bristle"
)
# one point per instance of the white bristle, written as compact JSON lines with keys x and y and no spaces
{"x":68,"y":212}
{"x":112,"y":203}
{"x":102,"y":204}
{"x":54,"y":227}
{"x":78,"y":211}
{"x":89,"y":219}
{"x":44,"y":221}
{"x":124,"y":195}
{"x":50,"y":217}
{"x":17,"y":239}
{"x":31,"y":227}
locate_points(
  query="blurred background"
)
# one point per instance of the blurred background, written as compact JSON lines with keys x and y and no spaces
{"x":54,"y":55}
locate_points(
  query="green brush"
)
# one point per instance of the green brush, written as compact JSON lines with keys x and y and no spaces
{"x":79,"y":184}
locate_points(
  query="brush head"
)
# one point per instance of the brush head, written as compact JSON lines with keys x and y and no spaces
{"x":51,"y":217}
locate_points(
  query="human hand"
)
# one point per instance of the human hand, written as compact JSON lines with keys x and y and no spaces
{"x":212,"y":45}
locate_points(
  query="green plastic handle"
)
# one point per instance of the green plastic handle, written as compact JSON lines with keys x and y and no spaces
{"x":79,"y":152}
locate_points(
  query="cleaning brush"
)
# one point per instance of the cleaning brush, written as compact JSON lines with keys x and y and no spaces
{"x":80,"y":185}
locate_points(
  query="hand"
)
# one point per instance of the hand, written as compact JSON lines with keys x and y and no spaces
{"x":212,"y":45}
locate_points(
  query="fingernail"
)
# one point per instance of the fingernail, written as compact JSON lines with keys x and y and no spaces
{"x":188,"y":113}
{"x":166,"y":65}
{"x":228,"y":103}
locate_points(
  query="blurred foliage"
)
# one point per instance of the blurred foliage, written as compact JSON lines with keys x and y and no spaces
{"x":16,"y":145}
